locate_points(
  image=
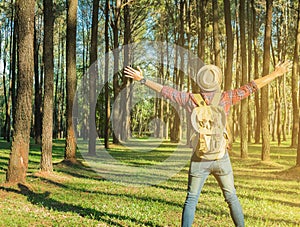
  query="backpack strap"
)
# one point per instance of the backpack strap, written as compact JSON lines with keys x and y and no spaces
{"x":199,"y":100}
{"x":216,"y":99}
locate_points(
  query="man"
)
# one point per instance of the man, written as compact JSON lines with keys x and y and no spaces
{"x":209,"y":79}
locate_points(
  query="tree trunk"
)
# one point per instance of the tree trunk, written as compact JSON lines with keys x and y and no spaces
{"x":265,"y":156}
{"x":200,"y":36}
{"x":14,"y":70}
{"x":93,"y":74}
{"x":250,"y":34}
{"x":284,"y":89}
{"x":125,"y":98}
{"x":273,"y":126}
{"x":18,"y":162}
{"x":107,"y":97}
{"x":229,"y":61}
{"x":70,"y":147}
{"x":236,"y":108}
{"x":5,"y":93}
{"x":295,"y":53}
{"x":176,"y":129}
{"x":256,"y":76}
{"x":191,"y":72}
{"x":295,"y":86}
{"x":167,"y":119}
{"x":285,"y":109}
{"x":56,"y":98}
{"x":61,"y":112}
{"x":37,"y":92}
{"x":47,"y":129}
{"x":244,"y":105}
{"x":278,"y":104}
{"x":216,"y":33}
{"x":116,"y":85}
{"x":160,"y":102}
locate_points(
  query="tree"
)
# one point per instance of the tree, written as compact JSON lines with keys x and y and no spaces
{"x":116,"y":86}
{"x":18,"y":162}
{"x":47,"y":125}
{"x":126,"y":98}
{"x":296,"y":60}
{"x":93,"y":78}
{"x":216,"y":33}
{"x":107,"y":98}
{"x":202,"y":31}
{"x":265,"y":155}
{"x":249,"y":70}
{"x":6,"y":134}
{"x":70,"y":147}
{"x":256,"y":75}
{"x":37,"y":86}
{"x":176,"y":125}
{"x":244,"y":106}
{"x":229,"y":59}
{"x":295,"y":87}
{"x":13,"y":70}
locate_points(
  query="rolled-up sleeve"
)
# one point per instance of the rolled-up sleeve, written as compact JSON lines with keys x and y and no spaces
{"x":241,"y":93}
{"x":179,"y":97}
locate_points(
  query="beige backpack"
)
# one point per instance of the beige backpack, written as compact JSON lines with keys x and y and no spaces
{"x":210,"y":138}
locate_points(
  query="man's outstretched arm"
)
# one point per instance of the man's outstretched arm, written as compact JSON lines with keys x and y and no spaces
{"x":280,"y":69}
{"x":180,"y":97}
{"x":137,"y":75}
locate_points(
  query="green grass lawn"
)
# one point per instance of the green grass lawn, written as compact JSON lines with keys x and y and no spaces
{"x":78,"y":196}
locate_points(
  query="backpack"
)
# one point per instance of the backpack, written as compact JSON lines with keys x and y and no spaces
{"x":209,"y":140}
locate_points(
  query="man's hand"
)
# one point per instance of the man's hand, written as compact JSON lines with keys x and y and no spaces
{"x":134,"y":74}
{"x":282,"y":68}
{"x":138,"y":75}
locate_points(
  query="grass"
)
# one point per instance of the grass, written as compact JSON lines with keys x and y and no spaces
{"x":80,"y":196}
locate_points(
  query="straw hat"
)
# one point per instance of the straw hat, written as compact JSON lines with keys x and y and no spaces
{"x":209,"y":78}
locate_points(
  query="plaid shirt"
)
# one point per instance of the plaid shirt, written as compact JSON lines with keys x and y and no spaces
{"x":228,"y":98}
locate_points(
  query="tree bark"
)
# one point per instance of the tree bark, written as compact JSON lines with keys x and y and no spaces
{"x":61,"y":101}
{"x":37,"y":91}
{"x":125,"y":99}
{"x":229,"y":61}
{"x":217,"y":50}
{"x":250,"y":34}
{"x":295,"y":53}
{"x":5,"y":92}
{"x":70,"y":147}
{"x":11,"y":98}
{"x":256,"y":76}
{"x":18,"y":163}
{"x":244,"y":105}
{"x":56,"y":94}
{"x":107,"y":97}
{"x":295,"y":86}
{"x":265,"y":155}
{"x":116,"y":85}
{"x":236,"y":108}
{"x":278,"y":105}
{"x":93,"y":74}
{"x":14,"y":70}
{"x":47,"y":129}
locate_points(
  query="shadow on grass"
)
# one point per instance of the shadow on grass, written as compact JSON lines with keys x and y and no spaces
{"x":52,"y":204}
{"x":77,"y":170}
{"x":130,"y":196}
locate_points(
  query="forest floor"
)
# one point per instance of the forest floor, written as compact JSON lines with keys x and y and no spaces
{"x":79,"y":196}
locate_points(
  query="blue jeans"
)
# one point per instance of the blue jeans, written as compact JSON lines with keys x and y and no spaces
{"x":221,"y":169}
